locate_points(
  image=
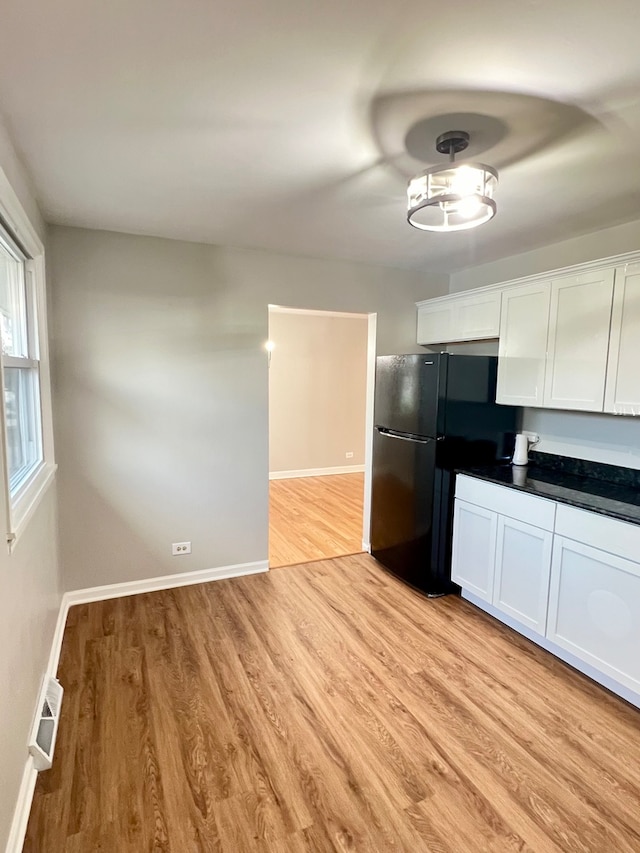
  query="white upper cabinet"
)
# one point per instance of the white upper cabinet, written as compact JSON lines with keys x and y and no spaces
{"x":570,"y":340}
{"x":554,"y":340}
{"x":524,"y":323}
{"x":578,"y":341}
{"x":459,"y":318}
{"x":477,"y":317}
{"x":622,"y":394}
{"x":435,"y":323}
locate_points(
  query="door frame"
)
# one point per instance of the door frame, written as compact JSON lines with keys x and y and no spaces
{"x":372,"y":336}
{"x":368,"y":429}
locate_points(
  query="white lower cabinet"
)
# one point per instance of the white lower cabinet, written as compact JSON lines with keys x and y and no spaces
{"x":474,"y":547}
{"x":503,"y":559}
{"x":522,"y":568}
{"x":571,"y":582}
{"x":594,"y":609}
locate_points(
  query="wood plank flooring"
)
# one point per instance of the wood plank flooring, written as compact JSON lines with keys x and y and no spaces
{"x":328,"y":708}
{"x":314,"y":518}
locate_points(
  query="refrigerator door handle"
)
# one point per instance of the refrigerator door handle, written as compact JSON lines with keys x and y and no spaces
{"x":417,"y":440}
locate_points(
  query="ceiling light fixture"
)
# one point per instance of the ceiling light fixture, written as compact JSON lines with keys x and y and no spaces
{"x":454,"y":196}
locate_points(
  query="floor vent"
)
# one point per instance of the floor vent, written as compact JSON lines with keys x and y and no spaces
{"x":45,"y":726}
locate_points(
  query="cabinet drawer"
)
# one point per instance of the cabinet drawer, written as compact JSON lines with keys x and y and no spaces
{"x":514,"y":504}
{"x":599,"y":531}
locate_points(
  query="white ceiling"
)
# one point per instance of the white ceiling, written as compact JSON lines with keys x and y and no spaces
{"x":281,"y":123}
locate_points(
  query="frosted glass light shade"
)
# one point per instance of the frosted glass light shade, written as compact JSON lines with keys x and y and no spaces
{"x":452,"y":197}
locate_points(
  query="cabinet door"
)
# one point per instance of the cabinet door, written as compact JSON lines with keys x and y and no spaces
{"x":622,"y":394}
{"x":435,"y":323}
{"x":594,"y":609}
{"x":459,"y":318}
{"x":579,"y":341}
{"x":524,"y":322}
{"x":474,"y":548}
{"x":476,"y":317}
{"x":523,"y":565}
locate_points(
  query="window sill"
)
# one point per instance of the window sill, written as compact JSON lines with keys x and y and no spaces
{"x":27,"y":503}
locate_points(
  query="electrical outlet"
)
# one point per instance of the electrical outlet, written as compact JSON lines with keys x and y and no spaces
{"x":349,"y":454}
{"x":178,"y":549}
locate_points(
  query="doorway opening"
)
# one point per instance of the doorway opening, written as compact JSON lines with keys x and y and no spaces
{"x":321,"y":374}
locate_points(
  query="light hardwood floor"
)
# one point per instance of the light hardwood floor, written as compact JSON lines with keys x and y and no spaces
{"x":328,"y":708}
{"x":314,"y":518}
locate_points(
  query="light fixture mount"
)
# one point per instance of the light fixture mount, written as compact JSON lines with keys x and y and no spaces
{"x":452,"y":142}
{"x":454,"y":196}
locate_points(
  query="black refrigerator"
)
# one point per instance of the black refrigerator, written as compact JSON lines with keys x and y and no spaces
{"x":433,"y":413}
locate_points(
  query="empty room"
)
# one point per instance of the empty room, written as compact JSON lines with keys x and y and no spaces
{"x":320,"y":444}
{"x":318,"y":394}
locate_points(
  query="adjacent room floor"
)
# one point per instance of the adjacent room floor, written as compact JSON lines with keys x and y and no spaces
{"x":314,"y":518}
{"x":327,"y":708}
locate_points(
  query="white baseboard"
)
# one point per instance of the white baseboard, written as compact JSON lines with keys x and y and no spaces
{"x":18,"y":830}
{"x":118,"y":590}
{"x":58,"y":634}
{"x":22,"y":809}
{"x":316,"y":472}
{"x":101,"y":593}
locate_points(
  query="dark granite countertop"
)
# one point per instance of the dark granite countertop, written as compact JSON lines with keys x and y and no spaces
{"x":605,"y":489}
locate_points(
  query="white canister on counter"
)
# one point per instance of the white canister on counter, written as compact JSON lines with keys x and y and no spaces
{"x":521,"y":452}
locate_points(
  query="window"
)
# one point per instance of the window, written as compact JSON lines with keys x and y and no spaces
{"x":20,"y":366}
{"x":26,"y":435}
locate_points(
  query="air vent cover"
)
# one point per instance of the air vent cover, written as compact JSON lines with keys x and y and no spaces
{"x":45,"y":725}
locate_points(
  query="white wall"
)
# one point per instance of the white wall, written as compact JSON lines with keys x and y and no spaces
{"x":317,"y":390}
{"x":20,"y":181}
{"x":29,"y":590}
{"x":590,"y":247}
{"x":600,"y":438}
{"x":161,"y":388}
